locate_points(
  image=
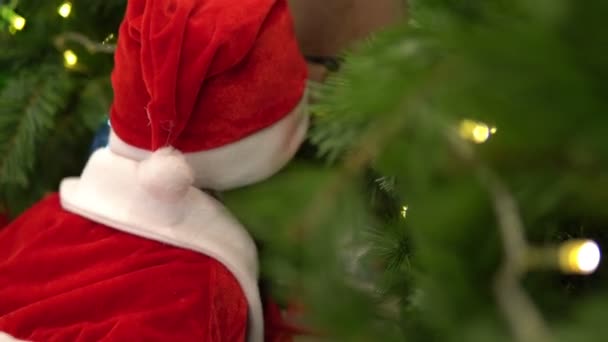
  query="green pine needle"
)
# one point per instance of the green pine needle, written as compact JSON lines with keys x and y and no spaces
{"x":28,"y":105}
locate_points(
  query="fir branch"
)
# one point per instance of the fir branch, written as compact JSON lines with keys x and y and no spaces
{"x":349,"y":103}
{"x":94,"y":101}
{"x":28,"y":105}
{"x":372,"y":141}
{"x":524,"y":318}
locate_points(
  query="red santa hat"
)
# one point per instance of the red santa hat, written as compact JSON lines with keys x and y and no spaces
{"x":207,"y":93}
{"x":215,"y":79}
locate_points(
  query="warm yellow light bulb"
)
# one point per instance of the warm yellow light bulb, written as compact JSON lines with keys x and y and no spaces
{"x":18,"y":22}
{"x":477,"y":132}
{"x":65,"y":9}
{"x":481,"y":133}
{"x":70,"y":58}
{"x":404,"y":211}
{"x":579,"y":256}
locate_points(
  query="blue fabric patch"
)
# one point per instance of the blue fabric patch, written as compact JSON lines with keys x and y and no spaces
{"x":101,"y":137}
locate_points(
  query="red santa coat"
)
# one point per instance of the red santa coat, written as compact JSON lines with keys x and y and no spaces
{"x":64,"y":277}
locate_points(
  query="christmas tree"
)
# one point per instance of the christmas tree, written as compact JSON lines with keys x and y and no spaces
{"x":55,"y":91}
{"x":452,"y":188}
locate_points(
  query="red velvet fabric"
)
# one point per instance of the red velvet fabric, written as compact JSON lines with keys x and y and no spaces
{"x":66,"y":278}
{"x":276,"y":327}
{"x":199,"y":74}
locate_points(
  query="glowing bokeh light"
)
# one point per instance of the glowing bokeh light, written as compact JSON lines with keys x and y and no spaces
{"x":65,"y":9}
{"x":18,"y":22}
{"x":579,"y":256}
{"x":477,"y":132}
{"x":70,"y":58}
{"x":404,"y":211}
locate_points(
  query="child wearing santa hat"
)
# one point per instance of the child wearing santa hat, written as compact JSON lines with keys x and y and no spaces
{"x":207,"y":94}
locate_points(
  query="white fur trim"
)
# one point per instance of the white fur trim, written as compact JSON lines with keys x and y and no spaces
{"x":8,"y":338}
{"x":166,"y":174}
{"x":108,"y":193}
{"x":249,"y":160}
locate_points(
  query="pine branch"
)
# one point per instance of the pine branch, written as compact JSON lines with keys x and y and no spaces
{"x":94,"y":102}
{"x":365,"y":89}
{"x":525,"y":320}
{"x":373,"y":140}
{"x":28,"y":105}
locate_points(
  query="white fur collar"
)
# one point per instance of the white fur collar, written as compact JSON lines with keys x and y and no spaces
{"x":107,"y":192}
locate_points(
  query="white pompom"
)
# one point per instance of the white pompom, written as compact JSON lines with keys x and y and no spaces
{"x":165,"y":174}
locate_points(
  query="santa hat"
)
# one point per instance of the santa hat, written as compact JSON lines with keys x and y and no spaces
{"x":207,"y":93}
{"x":206,"y":77}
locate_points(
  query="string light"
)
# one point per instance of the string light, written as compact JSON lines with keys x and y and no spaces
{"x":579,"y":257}
{"x":477,"y":132}
{"x":65,"y":9}
{"x":404,"y":211}
{"x":69,"y":58}
{"x":108,"y":39}
{"x":18,"y":22}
